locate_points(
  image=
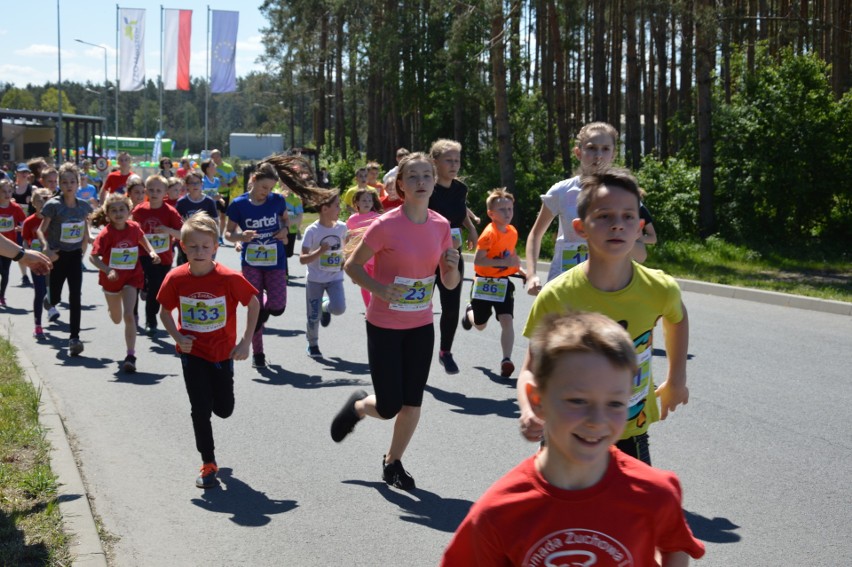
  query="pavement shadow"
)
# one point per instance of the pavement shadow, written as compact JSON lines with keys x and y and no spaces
{"x":712,"y":530}
{"x":422,"y":507}
{"x":139,"y":378}
{"x":475,"y":406}
{"x":338,"y":364}
{"x":246,"y":506}
{"x":276,"y":375}
{"x":80,"y":361}
{"x":282,"y":332}
{"x":662,"y":353}
{"x":496,"y":378}
{"x":8,"y":310}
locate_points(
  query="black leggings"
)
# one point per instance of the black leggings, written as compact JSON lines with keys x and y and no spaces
{"x":154,"y":276}
{"x":210,"y":386}
{"x":450,"y":307}
{"x":4,"y":274}
{"x":636,"y":447}
{"x":69,"y":267}
{"x":399,"y":365}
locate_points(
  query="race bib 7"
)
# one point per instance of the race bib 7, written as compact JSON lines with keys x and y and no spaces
{"x":123,"y":258}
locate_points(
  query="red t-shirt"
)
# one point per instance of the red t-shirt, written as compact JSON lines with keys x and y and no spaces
{"x":115,"y":181}
{"x":388,"y":203}
{"x":524,"y":520}
{"x":11,"y":217}
{"x":120,"y":250}
{"x":150,"y":220}
{"x":208,"y":307}
{"x":29,"y":234}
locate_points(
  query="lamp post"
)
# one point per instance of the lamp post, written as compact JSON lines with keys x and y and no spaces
{"x":103,"y":94}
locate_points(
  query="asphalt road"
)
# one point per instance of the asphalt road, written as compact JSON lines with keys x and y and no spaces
{"x":763,"y":450}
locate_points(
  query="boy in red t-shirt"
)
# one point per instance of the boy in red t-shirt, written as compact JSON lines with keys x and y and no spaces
{"x":207,"y":294}
{"x":161,"y":224}
{"x":579,"y":500}
{"x":29,"y":235}
{"x":11,"y":218}
{"x":494,"y":262}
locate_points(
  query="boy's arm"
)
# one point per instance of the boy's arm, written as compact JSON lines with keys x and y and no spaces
{"x":532,"y":428}
{"x":539,"y":227}
{"x":673,"y":391}
{"x":241,"y":350}
{"x":307,"y":256}
{"x":482,"y":259}
{"x":675,"y":559}
{"x":472,"y":233}
{"x":184,"y":342}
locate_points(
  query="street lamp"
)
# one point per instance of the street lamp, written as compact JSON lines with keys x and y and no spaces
{"x":103,"y":94}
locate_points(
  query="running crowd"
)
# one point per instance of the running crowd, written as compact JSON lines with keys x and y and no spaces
{"x":585,"y":389}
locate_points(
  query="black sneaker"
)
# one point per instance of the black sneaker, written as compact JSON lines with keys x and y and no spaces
{"x":46,"y":303}
{"x":346,"y":419}
{"x":396,"y":476}
{"x":466,"y":324}
{"x":129,"y":364}
{"x":207,"y":476}
{"x":25,"y":282}
{"x":325,"y":316}
{"x":75,"y":347}
{"x":448,"y":363}
{"x":506,"y":368}
{"x":314,"y":351}
{"x":258,"y":360}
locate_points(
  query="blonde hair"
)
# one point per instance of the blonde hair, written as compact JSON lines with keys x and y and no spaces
{"x":579,"y":332}
{"x":100,"y":216}
{"x":41,"y":196}
{"x":495,"y":194}
{"x":586,"y":132}
{"x":133,"y":180}
{"x":200,"y":222}
{"x":442,"y":146}
{"x":156,"y":177}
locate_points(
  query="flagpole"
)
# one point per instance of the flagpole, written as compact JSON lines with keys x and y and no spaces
{"x":117,"y":10}
{"x":162,"y":43}
{"x":59,"y":86}
{"x":207,"y":94}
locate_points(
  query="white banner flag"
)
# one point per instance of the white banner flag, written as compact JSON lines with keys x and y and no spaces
{"x":131,"y":33}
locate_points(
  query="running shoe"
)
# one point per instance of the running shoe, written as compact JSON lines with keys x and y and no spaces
{"x":314,"y":351}
{"x":129,"y":364}
{"x":25,"y":282}
{"x":207,"y":476}
{"x":506,"y":368}
{"x":75,"y":347}
{"x":395,"y":475}
{"x":466,"y":324}
{"x":2,"y":302}
{"x":325,"y":316}
{"x":258,"y":360}
{"x":446,"y":360}
{"x":151,"y":329}
{"x":38,"y":334}
{"x":52,"y":314}
{"x":347,"y":418}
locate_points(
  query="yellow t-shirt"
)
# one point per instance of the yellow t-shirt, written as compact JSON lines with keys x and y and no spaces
{"x":651,"y":294}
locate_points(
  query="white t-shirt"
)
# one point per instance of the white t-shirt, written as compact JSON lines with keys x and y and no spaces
{"x":561,"y":201}
{"x":329,"y":266}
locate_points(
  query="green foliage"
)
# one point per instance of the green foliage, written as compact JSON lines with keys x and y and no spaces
{"x":672,"y":196}
{"x":783,"y":153}
{"x":20,"y":99}
{"x":341,"y":171}
{"x":49,"y":102}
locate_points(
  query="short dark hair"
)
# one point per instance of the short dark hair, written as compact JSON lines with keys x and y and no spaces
{"x":579,"y":332}
{"x":610,"y":177}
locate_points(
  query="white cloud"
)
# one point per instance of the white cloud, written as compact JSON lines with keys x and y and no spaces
{"x":22,"y":75}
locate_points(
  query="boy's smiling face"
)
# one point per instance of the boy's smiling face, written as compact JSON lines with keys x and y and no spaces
{"x":584,"y":408}
{"x":612,"y":222}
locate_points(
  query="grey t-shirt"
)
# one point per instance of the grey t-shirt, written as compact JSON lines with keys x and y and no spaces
{"x":67,"y":224}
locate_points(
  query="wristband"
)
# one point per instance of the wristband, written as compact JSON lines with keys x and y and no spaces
{"x":19,"y":255}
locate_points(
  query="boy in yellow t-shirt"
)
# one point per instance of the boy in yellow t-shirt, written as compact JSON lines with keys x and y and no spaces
{"x":494,"y":262}
{"x":609,"y":282}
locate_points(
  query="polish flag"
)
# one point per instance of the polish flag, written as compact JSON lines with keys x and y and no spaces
{"x":177,"y":28}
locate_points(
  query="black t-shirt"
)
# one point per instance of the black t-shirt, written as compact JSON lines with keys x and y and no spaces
{"x":187,"y":207}
{"x":450,"y":202}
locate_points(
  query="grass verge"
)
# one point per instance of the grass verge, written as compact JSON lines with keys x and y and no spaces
{"x":30,"y":522}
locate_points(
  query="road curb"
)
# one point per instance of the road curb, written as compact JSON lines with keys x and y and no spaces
{"x":747,"y":294}
{"x":77,"y":517}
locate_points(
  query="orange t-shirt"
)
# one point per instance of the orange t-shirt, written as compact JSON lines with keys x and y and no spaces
{"x":496,"y":245}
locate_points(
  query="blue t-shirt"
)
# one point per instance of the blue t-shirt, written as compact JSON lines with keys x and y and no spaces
{"x":87,"y":193}
{"x":211,"y":187}
{"x":264,"y":251}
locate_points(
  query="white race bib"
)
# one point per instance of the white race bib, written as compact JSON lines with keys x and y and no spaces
{"x":261,"y":254}
{"x":490,"y":289}
{"x":202,"y":315}
{"x":159,"y":242}
{"x":643,"y":360}
{"x":123,"y":258}
{"x":457,"y":237}
{"x":574,"y":253}
{"x":331,"y":261}
{"x":7,"y":224}
{"x":417,"y":297}
{"x":72,"y":232}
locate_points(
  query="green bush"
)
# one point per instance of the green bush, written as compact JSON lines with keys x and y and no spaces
{"x":672,"y":197}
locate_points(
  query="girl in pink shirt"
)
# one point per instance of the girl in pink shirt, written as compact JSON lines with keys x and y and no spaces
{"x":368,"y":209}
{"x":408,"y":244}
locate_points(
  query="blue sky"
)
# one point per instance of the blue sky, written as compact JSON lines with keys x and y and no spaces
{"x":28,"y":38}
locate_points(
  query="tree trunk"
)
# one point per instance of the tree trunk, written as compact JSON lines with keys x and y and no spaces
{"x":501,"y":105}
{"x":319,"y":120}
{"x":561,"y":108}
{"x":705,"y":42}
{"x":633,"y":134}
{"x":340,"y":112}
{"x":615,"y":98}
{"x":658,"y":21}
{"x":599,"y":79}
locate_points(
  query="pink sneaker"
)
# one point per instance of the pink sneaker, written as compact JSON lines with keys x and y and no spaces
{"x":38,"y":334}
{"x":2,"y":302}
